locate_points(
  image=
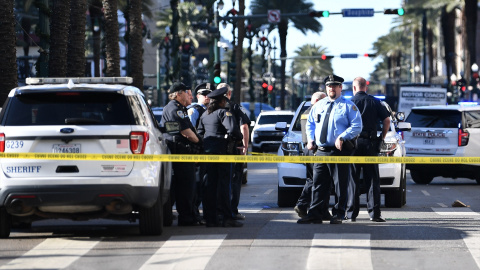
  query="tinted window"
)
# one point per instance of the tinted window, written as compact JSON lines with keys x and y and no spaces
{"x":472,"y":119}
{"x":75,"y":108}
{"x":434,"y":118}
{"x":298,"y":121}
{"x":272,"y":119}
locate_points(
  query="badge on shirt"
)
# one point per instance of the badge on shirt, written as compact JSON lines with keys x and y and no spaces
{"x":228,"y":114}
{"x":190,"y":111}
{"x":181,"y":114}
{"x":354,"y":108}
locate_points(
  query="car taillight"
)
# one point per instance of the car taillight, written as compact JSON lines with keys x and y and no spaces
{"x":463,"y":137}
{"x":2,"y":142}
{"x":138,"y":140}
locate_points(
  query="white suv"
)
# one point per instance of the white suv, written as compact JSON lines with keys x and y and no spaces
{"x":444,"y":131}
{"x":82,"y":118}
{"x":264,"y":136}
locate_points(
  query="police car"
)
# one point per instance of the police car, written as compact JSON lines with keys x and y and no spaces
{"x":264,"y":136}
{"x":292,"y":176}
{"x":82,"y":116}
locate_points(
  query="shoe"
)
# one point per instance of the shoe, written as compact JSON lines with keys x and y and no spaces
{"x":232,"y":223}
{"x":378,"y":219}
{"x":239,"y":217}
{"x":310,"y":220}
{"x":326,"y":216}
{"x":190,"y":223}
{"x":335,"y":220}
{"x":301,"y":212}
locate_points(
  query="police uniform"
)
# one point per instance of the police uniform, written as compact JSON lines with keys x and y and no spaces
{"x":344,"y":122}
{"x":183,"y":180}
{"x":367,"y":145}
{"x":216,"y":126}
{"x":195,"y":110}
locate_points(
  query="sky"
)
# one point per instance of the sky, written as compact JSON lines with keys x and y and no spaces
{"x":340,"y":35}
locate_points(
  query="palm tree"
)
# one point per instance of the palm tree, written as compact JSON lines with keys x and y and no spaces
{"x":302,"y":23}
{"x":76,"y":40}
{"x":393,"y":46}
{"x":135,"y":43}
{"x":8,"y":68}
{"x":60,"y":21}
{"x":309,"y":60}
{"x":112,"y":48}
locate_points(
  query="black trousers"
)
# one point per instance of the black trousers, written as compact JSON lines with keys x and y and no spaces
{"x":236,"y":185}
{"x":183,"y":190}
{"x":371,"y":179}
{"x":323,"y":173}
{"x":216,"y":196}
{"x":306,"y":196}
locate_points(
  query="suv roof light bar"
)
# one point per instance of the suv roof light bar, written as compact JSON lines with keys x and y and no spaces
{"x":112,"y":80}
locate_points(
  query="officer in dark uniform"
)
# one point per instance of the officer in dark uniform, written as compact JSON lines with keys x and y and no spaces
{"x":183,"y":180}
{"x":367,"y":145}
{"x":218,"y":127}
{"x":331,"y":126}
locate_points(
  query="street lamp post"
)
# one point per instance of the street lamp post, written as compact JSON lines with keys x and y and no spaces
{"x":264,"y":43}
{"x":250,"y":34}
{"x":474,"y":82}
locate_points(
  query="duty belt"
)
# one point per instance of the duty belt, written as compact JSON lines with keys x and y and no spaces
{"x":326,"y":148}
{"x":368,"y":134}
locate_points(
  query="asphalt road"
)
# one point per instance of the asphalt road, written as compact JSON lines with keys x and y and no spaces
{"x":427,"y":233}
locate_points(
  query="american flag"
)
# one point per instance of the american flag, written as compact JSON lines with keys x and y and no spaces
{"x":122,"y":143}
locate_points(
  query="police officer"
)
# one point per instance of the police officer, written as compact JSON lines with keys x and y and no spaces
{"x":183,"y":180}
{"x":331,"y":126}
{"x":243,"y":124}
{"x":367,"y":145}
{"x":217,"y":126}
{"x":306,"y":196}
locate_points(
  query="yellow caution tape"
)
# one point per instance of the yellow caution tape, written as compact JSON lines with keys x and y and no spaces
{"x":243,"y":159}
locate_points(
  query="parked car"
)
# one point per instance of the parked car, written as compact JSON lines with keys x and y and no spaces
{"x":61,"y":115}
{"x":444,"y":131}
{"x":264,"y":136}
{"x":259,"y":107}
{"x":157,"y":113}
{"x":292,"y":176}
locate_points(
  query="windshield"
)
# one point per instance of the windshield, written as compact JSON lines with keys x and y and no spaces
{"x":273,"y":119}
{"x":434,"y":118}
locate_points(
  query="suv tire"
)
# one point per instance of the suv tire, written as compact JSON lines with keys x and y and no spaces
{"x":5,"y":223}
{"x":150,"y":219}
{"x":397,"y":198}
{"x":421,"y":177}
{"x":287,"y":197}
{"x":167,"y":213}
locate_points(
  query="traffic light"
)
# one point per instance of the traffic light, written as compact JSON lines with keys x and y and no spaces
{"x":396,"y":11}
{"x":232,"y":71}
{"x":321,"y":13}
{"x":264,"y":91}
{"x":325,"y":57}
{"x":216,"y":73}
{"x":270,"y":88}
{"x":370,"y":55}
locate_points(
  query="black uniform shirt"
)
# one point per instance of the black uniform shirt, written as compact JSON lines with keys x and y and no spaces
{"x":240,"y":116}
{"x":174,"y":111}
{"x":371,"y":110}
{"x":214,"y":127}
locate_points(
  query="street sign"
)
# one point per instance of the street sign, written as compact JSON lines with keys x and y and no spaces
{"x":348,"y":55}
{"x":274,"y":16}
{"x":358,"y":12}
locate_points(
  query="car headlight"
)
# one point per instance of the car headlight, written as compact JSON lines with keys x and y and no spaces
{"x":388,"y":149}
{"x":291,"y":148}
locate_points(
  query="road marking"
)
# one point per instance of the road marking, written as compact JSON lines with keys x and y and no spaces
{"x":442,"y":205}
{"x":185,"y":252}
{"x":268,"y":191}
{"x":425,"y":193}
{"x":473,"y":244}
{"x":458,"y":211}
{"x":53,"y":253}
{"x":340,"y":251}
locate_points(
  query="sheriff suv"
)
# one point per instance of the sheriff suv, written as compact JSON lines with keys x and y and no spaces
{"x":444,"y":131}
{"x":88,"y":116}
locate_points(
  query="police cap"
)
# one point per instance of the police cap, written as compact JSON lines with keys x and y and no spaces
{"x":204,"y":89}
{"x":333,"y":80}
{"x":216,"y":94}
{"x":177,"y":86}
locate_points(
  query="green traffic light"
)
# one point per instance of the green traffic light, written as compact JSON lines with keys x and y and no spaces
{"x":325,"y":13}
{"x":401,"y":12}
{"x":217,"y":80}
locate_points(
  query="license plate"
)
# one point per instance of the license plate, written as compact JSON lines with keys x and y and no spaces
{"x":429,"y":141}
{"x":66,"y":148}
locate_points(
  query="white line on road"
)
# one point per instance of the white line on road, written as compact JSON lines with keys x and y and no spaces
{"x":425,"y":193}
{"x":185,"y":252}
{"x":53,"y":253}
{"x":473,"y":244}
{"x":340,"y":251}
{"x":268,"y":191}
{"x":458,"y":211}
{"x":442,"y":205}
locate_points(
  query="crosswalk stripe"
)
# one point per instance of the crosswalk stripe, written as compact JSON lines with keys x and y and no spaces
{"x":185,"y":252}
{"x":53,"y":253}
{"x":340,"y":251}
{"x":473,"y":243}
{"x":459,"y":211}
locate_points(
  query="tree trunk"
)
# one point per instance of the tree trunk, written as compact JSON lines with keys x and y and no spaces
{"x":448,"y":29}
{"x":416,"y":45}
{"x":76,"y":41}
{"x":176,"y":41}
{"x":95,"y":18}
{"x":430,"y":53}
{"x":237,"y":90}
{"x":471,"y":10}
{"x":8,"y":58}
{"x":60,"y":21}
{"x":135,"y":42}
{"x":282,"y":32}
{"x":112,"y":49}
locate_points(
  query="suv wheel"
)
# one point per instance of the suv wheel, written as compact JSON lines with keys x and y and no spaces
{"x":287,"y":197}
{"x":151,"y":218}
{"x":421,"y":177}
{"x":5,"y":223}
{"x":167,"y":213}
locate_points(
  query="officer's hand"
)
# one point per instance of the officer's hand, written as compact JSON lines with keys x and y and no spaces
{"x":243,"y":150}
{"x":339,"y":144}
{"x":310,"y":145}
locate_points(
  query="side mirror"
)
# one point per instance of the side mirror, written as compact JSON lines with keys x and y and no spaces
{"x":282,"y":126}
{"x":252,"y":123}
{"x":404,"y":126}
{"x":400,"y":116}
{"x":171,"y":127}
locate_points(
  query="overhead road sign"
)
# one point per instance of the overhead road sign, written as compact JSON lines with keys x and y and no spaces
{"x":358,"y":12}
{"x":348,"y":55}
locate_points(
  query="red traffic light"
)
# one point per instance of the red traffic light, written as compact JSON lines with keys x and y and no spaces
{"x":464,"y":88}
{"x":370,"y":55}
{"x":264,"y":85}
{"x":325,"y":57}
{"x":270,"y":88}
